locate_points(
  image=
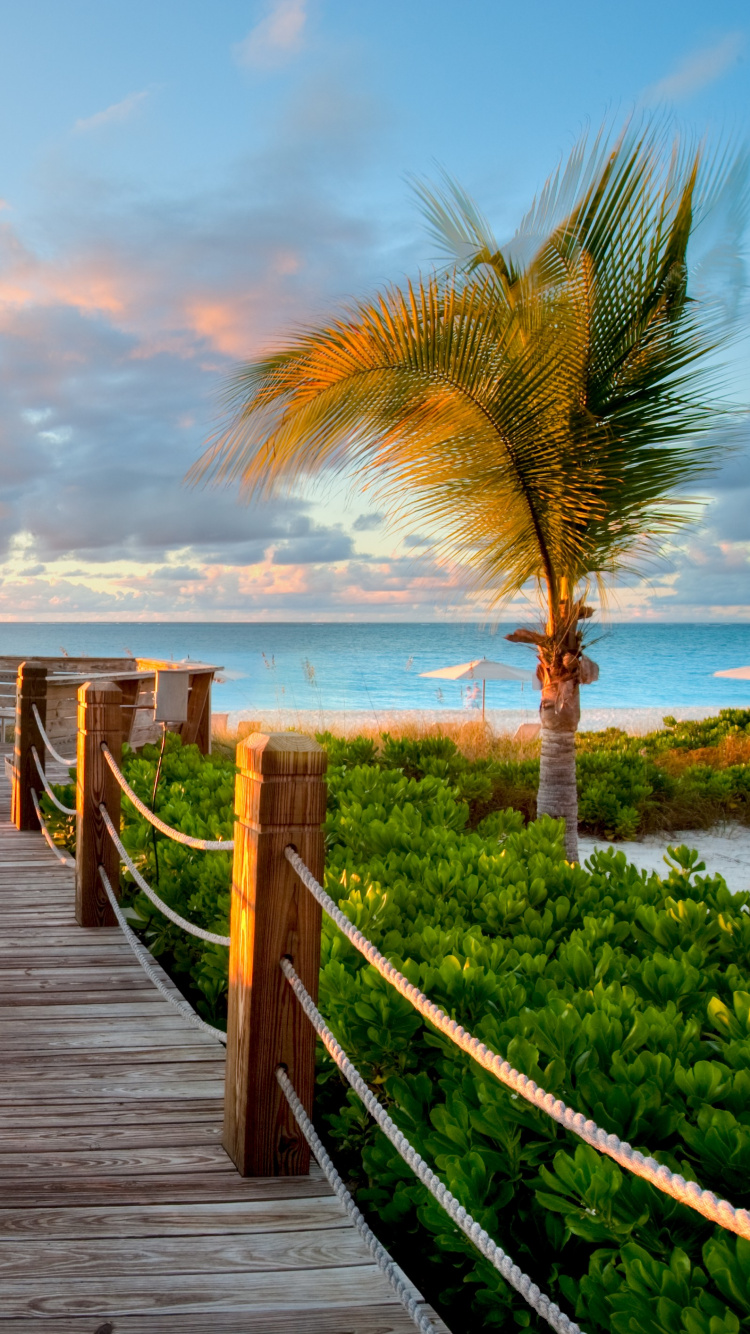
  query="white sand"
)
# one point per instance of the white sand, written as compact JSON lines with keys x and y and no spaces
{"x":725,"y":850}
{"x":635,"y":721}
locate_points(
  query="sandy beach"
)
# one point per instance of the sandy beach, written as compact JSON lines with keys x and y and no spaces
{"x":725,"y":850}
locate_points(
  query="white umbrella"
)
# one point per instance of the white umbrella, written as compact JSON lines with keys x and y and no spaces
{"x":736,"y":673}
{"x":481,"y":669}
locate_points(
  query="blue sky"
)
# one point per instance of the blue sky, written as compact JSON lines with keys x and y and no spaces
{"x":182,"y":181}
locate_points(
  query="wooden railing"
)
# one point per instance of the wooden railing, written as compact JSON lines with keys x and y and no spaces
{"x":136,"y":678}
{"x":280,"y":800}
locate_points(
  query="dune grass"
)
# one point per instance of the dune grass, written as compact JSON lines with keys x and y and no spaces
{"x":475,"y":740}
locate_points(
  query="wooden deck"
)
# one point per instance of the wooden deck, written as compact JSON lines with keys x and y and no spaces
{"x":119,"y":1210}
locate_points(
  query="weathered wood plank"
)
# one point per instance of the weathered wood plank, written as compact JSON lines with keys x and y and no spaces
{"x":171,"y":1188}
{"x":93,"y":1258}
{"x":71,"y":995}
{"x":58,"y":941}
{"x":83,"y":1112}
{"x":76,"y":1037}
{"x":170,"y":1220}
{"x":59,"y":1139}
{"x":31,"y":1065}
{"x":134,"y":1010}
{"x":354,"y":1319}
{"x":113,"y":1000}
{"x":303,"y":1290}
{"x":183,"y":1083}
{"x":47,"y":976}
{"x":137,"y":1161}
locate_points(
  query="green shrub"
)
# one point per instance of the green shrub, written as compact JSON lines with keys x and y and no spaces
{"x":624,"y":994}
{"x":624,"y":790}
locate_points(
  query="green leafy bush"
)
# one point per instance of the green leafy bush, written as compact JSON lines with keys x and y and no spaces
{"x":624,"y":994}
{"x":625,"y":784}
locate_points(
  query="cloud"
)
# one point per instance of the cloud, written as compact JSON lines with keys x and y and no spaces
{"x":114,"y":115}
{"x":276,"y":38}
{"x":697,"y":71}
{"x":119,"y":319}
{"x":316,"y":547}
{"x":365,"y":522}
{"x":117,"y":326}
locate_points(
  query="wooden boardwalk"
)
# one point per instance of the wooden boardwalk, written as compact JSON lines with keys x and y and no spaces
{"x":119,"y":1210}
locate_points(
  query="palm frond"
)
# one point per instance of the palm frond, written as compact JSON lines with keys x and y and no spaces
{"x":541,"y":408}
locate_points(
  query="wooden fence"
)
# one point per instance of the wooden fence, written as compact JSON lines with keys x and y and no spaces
{"x":280,"y":800}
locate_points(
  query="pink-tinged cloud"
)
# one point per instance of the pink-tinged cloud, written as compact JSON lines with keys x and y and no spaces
{"x":226,"y":324}
{"x":158,"y":296}
{"x":697,"y":71}
{"x":276,"y":38}
{"x":116,"y":114}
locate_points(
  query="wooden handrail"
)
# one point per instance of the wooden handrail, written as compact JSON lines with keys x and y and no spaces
{"x":280,"y":800}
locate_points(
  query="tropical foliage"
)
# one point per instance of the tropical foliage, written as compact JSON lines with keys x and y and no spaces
{"x":624,"y":994}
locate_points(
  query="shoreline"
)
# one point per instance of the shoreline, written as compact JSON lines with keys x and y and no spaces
{"x":635,"y":721}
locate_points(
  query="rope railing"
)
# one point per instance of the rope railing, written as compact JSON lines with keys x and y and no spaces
{"x":658,"y":1174}
{"x":69,"y":764}
{"x":210,"y":936}
{"x":202,"y":844}
{"x":376,"y":1248}
{"x":61,"y":856}
{"x":144,"y":958}
{"x":511,"y":1272}
{"x":66,"y":810}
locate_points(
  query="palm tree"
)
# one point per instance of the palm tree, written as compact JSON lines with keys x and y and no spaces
{"x":536,"y":406}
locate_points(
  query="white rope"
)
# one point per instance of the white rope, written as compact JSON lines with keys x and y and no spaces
{"x":173,"y":916}
{"x":61,"y":856}
{"x":203,"y":844}
{"x":69,"y":764}
{"x":530,"y":1292}
{"x":376,"y":1248}
{"x":690,"y":1193}
{"x":66,"y":810}
{"x":144,"y":959}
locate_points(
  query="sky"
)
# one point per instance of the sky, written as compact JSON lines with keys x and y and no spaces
{"x":182,"y":183}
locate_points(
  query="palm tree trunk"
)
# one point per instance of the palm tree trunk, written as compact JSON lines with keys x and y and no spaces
{"x":558,"y":794}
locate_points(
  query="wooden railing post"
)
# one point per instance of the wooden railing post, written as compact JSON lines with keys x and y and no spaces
{"x":280,"y":799}
{"x":31,"y":688}
{"x":99,"y":719}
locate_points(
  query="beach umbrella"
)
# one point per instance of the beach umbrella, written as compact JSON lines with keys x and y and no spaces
{"x":481,"y":669}
{"x":736,"y":673}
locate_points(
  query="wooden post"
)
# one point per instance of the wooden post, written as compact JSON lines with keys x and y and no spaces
{"x":130,"y":691}
{"x":99,"y":719}
{"x":280,"y":799}
{"x":31,"y":688}
{"x":197,"y":729}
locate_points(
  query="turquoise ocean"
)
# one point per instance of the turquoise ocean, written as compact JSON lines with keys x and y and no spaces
{"x":300,"y":666}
